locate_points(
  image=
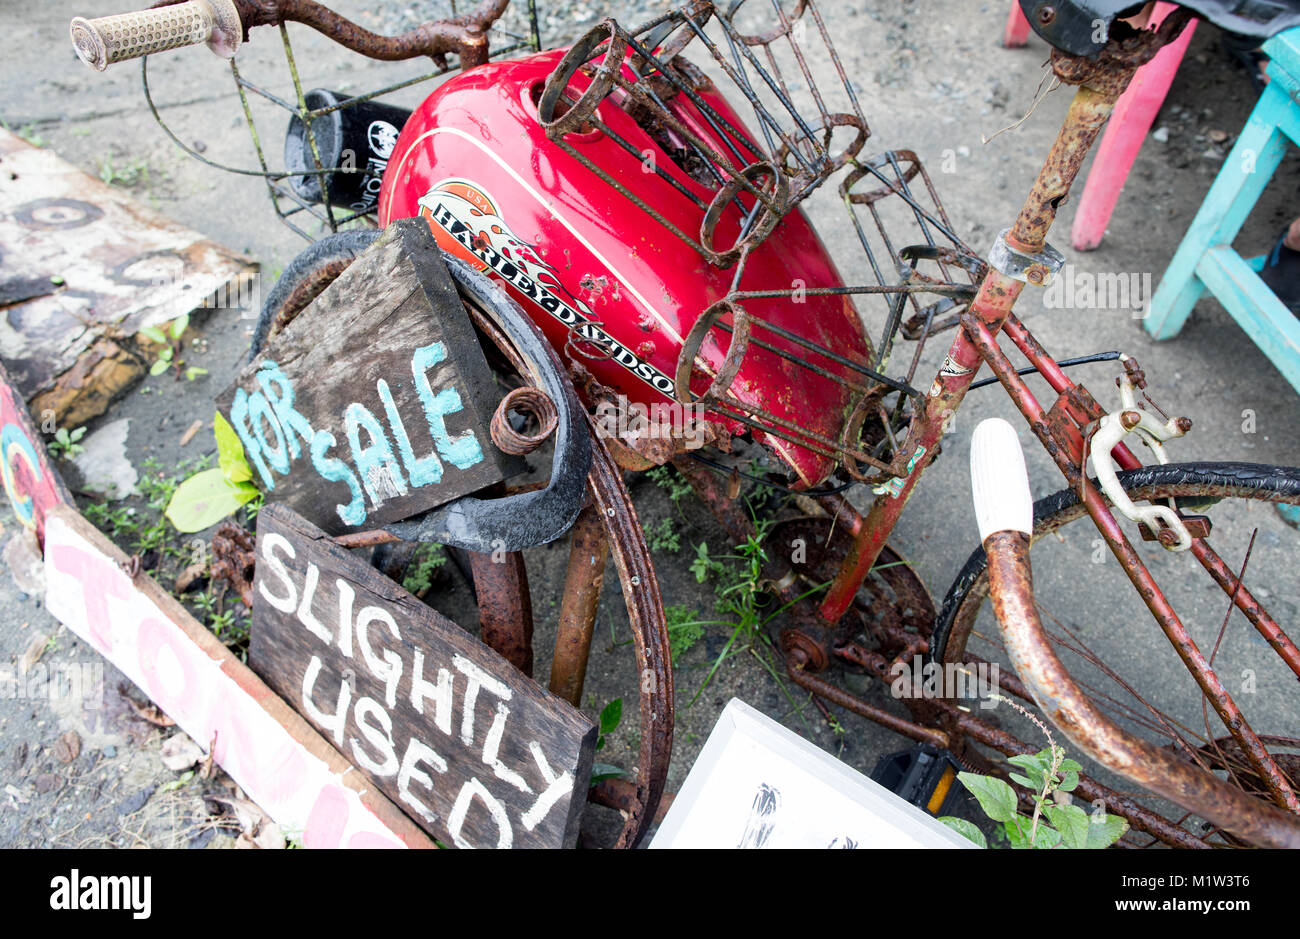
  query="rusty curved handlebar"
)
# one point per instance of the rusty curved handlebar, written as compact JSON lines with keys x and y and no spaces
{"x":465,"y":35}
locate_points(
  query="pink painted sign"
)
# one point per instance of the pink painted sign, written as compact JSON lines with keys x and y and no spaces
{"x":31,"y":483}
{"x":280,"y":762}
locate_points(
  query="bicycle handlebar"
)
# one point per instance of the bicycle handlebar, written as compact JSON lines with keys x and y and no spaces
{"x":108,"y":39}
{"x":222,"y":24}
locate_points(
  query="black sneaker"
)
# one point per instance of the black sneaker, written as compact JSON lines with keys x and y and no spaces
{"x":1282,"y":274}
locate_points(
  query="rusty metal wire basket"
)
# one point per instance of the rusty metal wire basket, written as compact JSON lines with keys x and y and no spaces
{"x":515,"y":33}
{"x":776,"y":59}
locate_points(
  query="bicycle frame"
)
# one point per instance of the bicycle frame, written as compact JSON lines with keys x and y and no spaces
{"x":1064,"y":430}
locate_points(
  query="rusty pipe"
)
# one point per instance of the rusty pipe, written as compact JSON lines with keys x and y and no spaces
{"x":582,"y":584}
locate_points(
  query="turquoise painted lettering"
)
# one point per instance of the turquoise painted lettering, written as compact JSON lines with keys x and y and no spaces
{"x":335,"y":470}
{"x":422,"y":471}
{"x":378,"y":467}
{"x":239,"y":420}
{"x":279,"y":391}
{"x":464,"y":451}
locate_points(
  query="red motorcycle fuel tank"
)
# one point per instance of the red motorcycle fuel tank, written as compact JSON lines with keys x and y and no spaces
{"x":578,"y":256}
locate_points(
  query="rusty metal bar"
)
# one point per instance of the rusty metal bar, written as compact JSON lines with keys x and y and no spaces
{"x":582,"y":584}
{"x":505,"y":608}
{"x":1067,"y":706}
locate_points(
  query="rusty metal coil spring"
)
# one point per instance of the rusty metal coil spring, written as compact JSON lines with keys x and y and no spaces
{"x":532,"y":402}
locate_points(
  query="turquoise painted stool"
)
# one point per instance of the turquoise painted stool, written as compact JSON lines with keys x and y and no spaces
{"x":1206,"y":259}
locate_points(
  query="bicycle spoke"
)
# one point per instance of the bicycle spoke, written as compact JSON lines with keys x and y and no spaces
{"x":1187,"y":650}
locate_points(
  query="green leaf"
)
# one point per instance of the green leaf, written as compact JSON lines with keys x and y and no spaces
{"x":159,"y":367}
{"x":194,"y":372}
{"x":965,"y":828}
{"x":1035,"y":765}
{"x":1046,"y":837}
{"x":611,"y":716}
{"x":1105,"y":830}
{"x":1071,"y":821}
{"x":996,"y":798}
{"x":179,"y":325}
{"x":1071,"y":782}
{"x":230,"y":451}
{"x":1024,"y":781}
{"x":601,"y":771}
{"x":77,"y":434}
{"x":1014,"y":834}
{"x":203,"y":500}
{"x":154,"y":333}
{"x":1069,"y":766}
{"x":61,"y":435}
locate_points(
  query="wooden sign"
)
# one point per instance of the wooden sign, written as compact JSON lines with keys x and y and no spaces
{"x":373,"y":404}
{"x":283,"y":765}
{"x":472,"y":750}
{"x":31,"y":482}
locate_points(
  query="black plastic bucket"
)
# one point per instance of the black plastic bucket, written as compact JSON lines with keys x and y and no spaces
{"x":357,"y":139}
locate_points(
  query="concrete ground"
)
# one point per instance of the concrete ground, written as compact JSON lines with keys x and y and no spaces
{"x":933,"y":79}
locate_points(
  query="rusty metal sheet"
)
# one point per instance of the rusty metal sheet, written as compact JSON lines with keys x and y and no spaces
{"x":109,"y":265}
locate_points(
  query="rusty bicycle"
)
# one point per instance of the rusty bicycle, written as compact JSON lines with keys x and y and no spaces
{"x":667,"y":248}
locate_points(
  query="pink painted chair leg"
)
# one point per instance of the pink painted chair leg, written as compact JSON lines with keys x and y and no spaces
{"x":1017,"y":31}
{"x":1127,"y":129}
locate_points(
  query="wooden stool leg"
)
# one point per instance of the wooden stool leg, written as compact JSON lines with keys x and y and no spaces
{"x":1017,"y":29}
{"x":1245,"y":173}
{"x":1126,"y":131}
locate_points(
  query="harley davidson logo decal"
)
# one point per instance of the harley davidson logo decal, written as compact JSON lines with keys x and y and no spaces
{"x":467,"y":224}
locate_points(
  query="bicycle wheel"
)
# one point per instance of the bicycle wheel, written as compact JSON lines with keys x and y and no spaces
{"x":1106,"y":638}
{"x":502,"y":589}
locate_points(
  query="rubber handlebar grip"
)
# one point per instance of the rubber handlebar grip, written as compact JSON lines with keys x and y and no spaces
{"x":999,"y":483}
{"x":101,"y":42}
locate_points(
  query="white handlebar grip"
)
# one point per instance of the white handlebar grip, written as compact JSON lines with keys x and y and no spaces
{"x":108,"y":39}
{"x":998,"y":479}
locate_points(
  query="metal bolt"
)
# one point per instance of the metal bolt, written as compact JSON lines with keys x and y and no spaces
{"x":1168,"y":537}
{"x":1034,"y":275}
{"x":1130,"y":419}
{"x":1184,"y":424}
{"x":1046,"y":14}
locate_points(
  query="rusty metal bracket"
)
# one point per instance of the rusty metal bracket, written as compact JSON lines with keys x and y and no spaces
{"x":1030,"y":267}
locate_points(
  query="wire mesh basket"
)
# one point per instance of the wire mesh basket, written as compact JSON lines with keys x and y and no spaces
{"x":776,"y":59}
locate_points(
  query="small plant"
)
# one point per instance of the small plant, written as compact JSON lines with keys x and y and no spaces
{"x":684,"y":630}
{"x":611,"y":716}
{"x":179,"y":782}
{"x":670,"y":481}
{"x":65,"y":444}
{"x":205,"y":499}
{"x":419,"y":573}
{"x":664,"y":536}
{"x":169,"y":356}
{"x":28,"y":133}
{"x":1056,"y":822}
{"x":129,"y":175}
